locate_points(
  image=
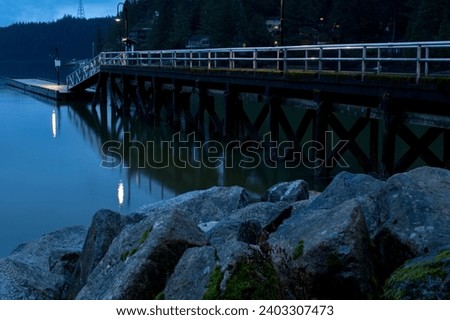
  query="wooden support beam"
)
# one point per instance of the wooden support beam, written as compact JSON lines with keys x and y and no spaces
{"x":251,"y":130}
{"x":156,"y":103}
{"x":446,"y":146}
{"x":232,"y":113}
{"x":261,"y":118}
{"x":374,"y":141}
{"x":100,"y":90}
{"x":189,"y":121}
{"x":350,"y":136}
{"x":390,"y":122}
{"x":113,"y":90}
{"x":419,"y":147}
{"x":321,"y":126}
{"x":274,"y":118}
{"x":127,"y":87}
{"x":307,"y":119}
{"x":215,"y":124}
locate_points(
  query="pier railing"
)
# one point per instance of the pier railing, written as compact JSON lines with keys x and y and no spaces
{"x":417,"y":59}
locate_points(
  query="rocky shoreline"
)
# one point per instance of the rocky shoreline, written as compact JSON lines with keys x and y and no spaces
{"x":361,"y":238}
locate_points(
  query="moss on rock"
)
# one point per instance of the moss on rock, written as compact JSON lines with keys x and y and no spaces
{"x":408,"y":281}
{"x":253,"y":280}
{"x":213,"y":290}
{"x":298,"y":250}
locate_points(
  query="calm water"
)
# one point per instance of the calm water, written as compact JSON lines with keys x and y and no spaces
{"x":51,"y":173}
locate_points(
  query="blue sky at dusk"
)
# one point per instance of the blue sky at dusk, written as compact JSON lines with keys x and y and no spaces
{"x":13,"y":11}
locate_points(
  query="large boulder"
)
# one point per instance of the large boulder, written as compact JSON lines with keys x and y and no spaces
{"x":40,"y":270}
{"x":416,"y":208}
{"x":202,"y":206}
{"x":233,"y":266}
{"x":325,"y":254}
{"x":232,"y":270}
{"x":105,"y":226}
{"x":365,"y":189}
{"x":142,"y":257}
{"x":423,"y":278}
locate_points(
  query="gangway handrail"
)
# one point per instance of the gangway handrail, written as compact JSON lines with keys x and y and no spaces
{"x":413,"y":58}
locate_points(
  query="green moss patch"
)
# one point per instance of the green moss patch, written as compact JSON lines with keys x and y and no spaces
{"x":253,"y":280}
{"x":298,"y":250}
{"x":213,"y":290}
{"x":142,"y":239}
{"x":409,"y":277}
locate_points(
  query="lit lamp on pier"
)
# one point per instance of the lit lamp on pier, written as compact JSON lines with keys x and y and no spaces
{"x":126,"y":40}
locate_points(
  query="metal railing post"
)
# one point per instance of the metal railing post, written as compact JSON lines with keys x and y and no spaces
{"x":255,"y":58}
{"x":209,"y":60}
{"x":306,"y":60}
{"x":378,"y":61}
{"x":320,"y":60}
{"x":427,"y":56}
{"x":363,"y":63}
{"x":418,"y":63}
{"x":339,"y":61}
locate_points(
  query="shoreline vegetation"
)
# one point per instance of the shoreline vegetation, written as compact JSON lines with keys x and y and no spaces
{"x":361,"y":238}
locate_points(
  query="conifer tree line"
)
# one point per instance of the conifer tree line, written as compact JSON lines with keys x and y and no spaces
{"x":171,"y":23}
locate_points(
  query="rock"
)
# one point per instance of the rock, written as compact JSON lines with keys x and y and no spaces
{"x":142,"y":257}
{"x":325,"y":254}
{"x":268,"y":215}
{"x":105,"y":226}
{"x":202,"y":206}
{"x":363,"y":188}
{"x":191,"y":277}
{"x":423,"y":278}
{"x":416,"y":207}
{"x":39,"y":270}
{"x":249,"y":231}
{"x":245,"y":272}
{"x":287,"y":191}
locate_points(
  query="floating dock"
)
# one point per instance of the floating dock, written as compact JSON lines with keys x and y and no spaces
{"x":49,"y":89}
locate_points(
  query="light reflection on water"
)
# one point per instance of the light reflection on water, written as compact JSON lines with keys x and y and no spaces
{"x":51,"y":177}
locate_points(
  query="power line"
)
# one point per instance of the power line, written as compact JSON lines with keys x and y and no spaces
{"x":80,"y":13}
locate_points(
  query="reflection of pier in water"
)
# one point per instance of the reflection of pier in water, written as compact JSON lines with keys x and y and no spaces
{"x":102,"y":125}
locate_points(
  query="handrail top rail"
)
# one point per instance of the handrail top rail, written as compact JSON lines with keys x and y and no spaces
{"x":351,"y":46}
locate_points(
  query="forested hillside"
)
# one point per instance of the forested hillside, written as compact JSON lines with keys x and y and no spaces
{"x":170,"y":23}
{"x":74,"y":38}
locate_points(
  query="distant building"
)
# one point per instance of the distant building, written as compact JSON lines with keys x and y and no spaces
{"x":273,"y":26}
{"x":198,"y":42}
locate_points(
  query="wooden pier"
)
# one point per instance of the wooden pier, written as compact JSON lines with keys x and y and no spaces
{"x":374,"y":96}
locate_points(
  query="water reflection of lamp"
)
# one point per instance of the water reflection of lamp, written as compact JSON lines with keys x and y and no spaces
{"x":54,"y":124}
{"x":120,"y":193}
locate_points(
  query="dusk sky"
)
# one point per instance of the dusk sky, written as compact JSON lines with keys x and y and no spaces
{"x":48,"y":10}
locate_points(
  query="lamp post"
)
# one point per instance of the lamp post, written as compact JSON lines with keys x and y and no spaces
{"x":282,"y":23}
{"x":119,"y":19}
{"x":281,"y":54}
